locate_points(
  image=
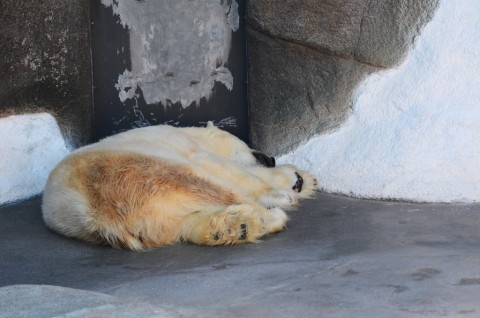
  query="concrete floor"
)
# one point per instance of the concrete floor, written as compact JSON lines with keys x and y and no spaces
{"x":340,"y":257}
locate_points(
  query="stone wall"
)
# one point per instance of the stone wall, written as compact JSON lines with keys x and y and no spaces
{"x":306,"y":58}
{"x":45,"y":63}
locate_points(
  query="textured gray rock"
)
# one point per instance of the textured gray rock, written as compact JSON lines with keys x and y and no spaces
{"x":24,"y":301}
{"x":307,"y":57}
{"x":296,"y":92}
{"x":330,"y":26}
{"x":389,"y":28}
{"x":45,"y":63}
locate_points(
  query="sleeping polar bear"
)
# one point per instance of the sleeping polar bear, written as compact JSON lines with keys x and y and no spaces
{"x":159,"y":185}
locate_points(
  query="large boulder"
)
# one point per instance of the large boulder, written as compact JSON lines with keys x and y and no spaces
{"x":307,"y":57}
{"x":296,"y":91}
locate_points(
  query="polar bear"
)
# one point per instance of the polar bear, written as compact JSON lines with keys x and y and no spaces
{"x":154,"y":186}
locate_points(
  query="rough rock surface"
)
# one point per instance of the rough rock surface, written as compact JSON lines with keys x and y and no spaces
{"x":307,"y":57}
{"x":389,"y":28}
{"x":45,"y":63}
{"x":296,"y":92}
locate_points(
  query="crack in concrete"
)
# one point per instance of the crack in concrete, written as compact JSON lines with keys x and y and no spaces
{"x":350,"y":58}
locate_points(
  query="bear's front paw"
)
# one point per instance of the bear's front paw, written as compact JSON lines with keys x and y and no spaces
{"x":237,"y":224}
{"x":241,"y":234}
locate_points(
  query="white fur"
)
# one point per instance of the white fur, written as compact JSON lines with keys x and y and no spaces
{"x":194,"y":184}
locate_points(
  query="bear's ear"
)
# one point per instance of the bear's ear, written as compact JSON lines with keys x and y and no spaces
{"x":210,"y":124}
{"x":263,"y":159}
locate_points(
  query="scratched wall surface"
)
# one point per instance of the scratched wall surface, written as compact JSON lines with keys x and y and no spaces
{"x":175,"y":62}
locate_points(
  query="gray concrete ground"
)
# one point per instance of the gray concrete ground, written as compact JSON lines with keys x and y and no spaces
{"x":340,"y":257}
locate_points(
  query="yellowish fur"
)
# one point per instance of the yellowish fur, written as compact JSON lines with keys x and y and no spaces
{"x":155,"y":186}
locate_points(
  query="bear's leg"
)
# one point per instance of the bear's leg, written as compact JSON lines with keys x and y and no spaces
{"x":280,"y":186}
{"x":233,"y":224}
{"x":230,"y":174}
{"x":287,"y":182}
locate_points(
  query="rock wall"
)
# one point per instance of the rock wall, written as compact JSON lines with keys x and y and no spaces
{"x":307,"y":57}
{"x":45,"y":63}
{"x":45,"y":90}
{"x":413,"y":130}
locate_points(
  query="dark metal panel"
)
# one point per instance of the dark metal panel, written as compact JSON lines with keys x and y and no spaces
{"x":111,"y":55}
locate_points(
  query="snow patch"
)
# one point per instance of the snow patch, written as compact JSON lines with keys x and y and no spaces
{"x":31,"y":145}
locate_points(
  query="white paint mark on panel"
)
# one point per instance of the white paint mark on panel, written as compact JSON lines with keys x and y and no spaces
{"x":179,"y":49}
{"x":225,"y":122}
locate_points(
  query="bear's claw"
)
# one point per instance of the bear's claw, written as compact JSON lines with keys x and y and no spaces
{"x":299,"y":184}
{"x":243,"y":235}
{"x":243,"y":227}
